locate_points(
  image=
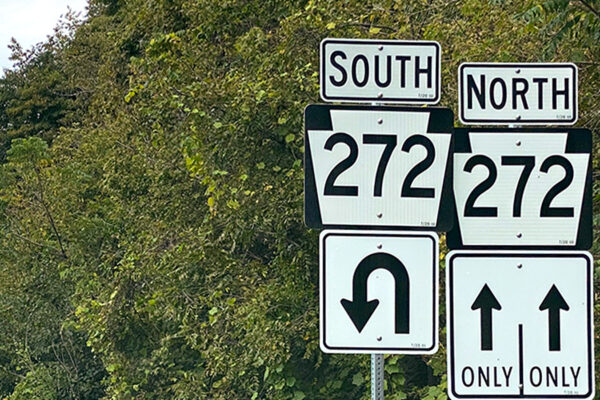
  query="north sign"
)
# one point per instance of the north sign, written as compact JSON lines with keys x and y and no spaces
{"x":520,"y":325}
{"x":379,"y":292}
{"x":385,"y":71}
{"x":378,"y":167}
{"x":522,"y":188}
{"x":523,"y":94}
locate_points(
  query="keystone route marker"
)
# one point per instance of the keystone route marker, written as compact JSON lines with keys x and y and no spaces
{"x":522,"y":188}
{"x":377,"y":167}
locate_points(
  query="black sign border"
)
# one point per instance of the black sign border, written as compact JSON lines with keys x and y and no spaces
{"x":450,"y":320}
{"x":435,"y":294}
{"x":317,"y":117}
{"x":515,"y":121}
{"x":579,"y":140}
{"x":408,"y":100}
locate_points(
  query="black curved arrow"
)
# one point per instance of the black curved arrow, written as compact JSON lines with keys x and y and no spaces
{"x":554,"y":302}
{"x":360,"y":310}
{"x":486,"y":301}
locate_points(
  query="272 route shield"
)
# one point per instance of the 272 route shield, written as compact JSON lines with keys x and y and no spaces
{"x":384,"y":167}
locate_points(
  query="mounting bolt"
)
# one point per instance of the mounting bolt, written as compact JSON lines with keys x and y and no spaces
{"x":379,"y":95}
{"x":518,"y":71}
{"x":380,"y":121}
{"x":380,"y":47}
{"x":379,"y":246}
{"x":379,"y":338}
{"x":379,"y":215}
{"x":518,"y":117}
{"x":519,"y":265}
{"x":519,"y":235}
{"x":518,"y":143}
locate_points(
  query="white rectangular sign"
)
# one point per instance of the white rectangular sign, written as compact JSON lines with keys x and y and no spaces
{"x":388,"y":71}
{"x":522,"y":188}
{"x":377,"y":167}
{"x":513,"y":93}
{"x":520,"y":325}
{"x":379,"y":292}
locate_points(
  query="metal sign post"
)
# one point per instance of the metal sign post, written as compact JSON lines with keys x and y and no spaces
{"x":519,"y":298}
{"x":377,"y":367}
{"x":377,"y":376}
{"x":375,"y":167}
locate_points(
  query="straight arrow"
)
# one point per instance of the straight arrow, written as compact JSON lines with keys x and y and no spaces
{"x":486,"y":301}
{"x":554,"y":302}
{"x":360,"y":310}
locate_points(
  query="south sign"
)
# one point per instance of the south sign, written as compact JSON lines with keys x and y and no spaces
{"x":385,"y":71}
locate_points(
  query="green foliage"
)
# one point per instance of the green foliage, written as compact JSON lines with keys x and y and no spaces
{"x":152,"y":243}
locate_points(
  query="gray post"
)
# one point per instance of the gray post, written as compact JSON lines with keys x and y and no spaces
{"x":377,"y":359}
{"x":376,"y":376}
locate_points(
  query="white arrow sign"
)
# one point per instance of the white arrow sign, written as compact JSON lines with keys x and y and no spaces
{"x":378,"y":292}
{"x":520,"y":325}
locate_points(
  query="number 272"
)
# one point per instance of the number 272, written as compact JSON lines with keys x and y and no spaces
{"x":390,"y":142}
{"x":527,"y":162}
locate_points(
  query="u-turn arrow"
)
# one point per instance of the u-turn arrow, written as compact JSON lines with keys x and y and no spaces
{"x":360,"y":310}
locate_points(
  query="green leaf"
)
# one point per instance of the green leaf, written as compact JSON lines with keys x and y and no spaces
{"x":298,"y":395}
{"x":358,"y":379}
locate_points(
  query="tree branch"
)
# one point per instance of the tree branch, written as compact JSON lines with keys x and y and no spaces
{"x":58,"y":252}
{"x":47,"y":211}
{"x":589,"y":7}
{"x":388,"y":28}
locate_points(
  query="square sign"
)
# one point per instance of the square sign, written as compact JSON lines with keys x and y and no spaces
{"x":387,"y":71}
{"x":520,"y":325}
{"x":378,"y":167}
{"x":522,"y":188}
{"x":379,"y":292}
{"x":524,"y":94}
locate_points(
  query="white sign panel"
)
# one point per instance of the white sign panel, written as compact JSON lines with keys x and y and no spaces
{"x":390,"y":71}
{"x":520,"y":325}
{"x":377,"y":166}
{"x":524,"y":94}
{"x":516,"y":188}
{"x":379,"y":292}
